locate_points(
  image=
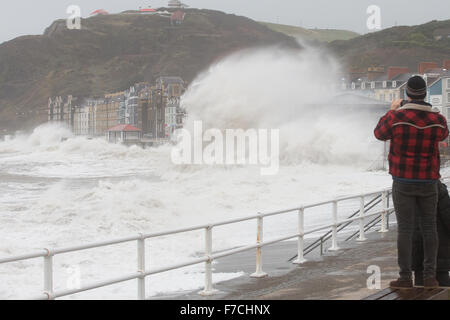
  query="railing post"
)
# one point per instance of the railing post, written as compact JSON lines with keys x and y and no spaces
{"x":334,"y":245}
{"x":208,"y":290}
{"x":384,"y":212}
{"x":141,"y":267}
{"x":362,"y":236}
{"x":301,"y":225}
{"x":259,"y":273}
{"x":48,"y":275}
{"x":321,"y":246}
{"x":387,"y":215}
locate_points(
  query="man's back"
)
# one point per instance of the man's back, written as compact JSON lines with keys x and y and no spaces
{"x":415,"y":132}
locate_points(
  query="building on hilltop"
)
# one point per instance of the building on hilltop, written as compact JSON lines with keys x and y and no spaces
{"x":147,"y":10}
{"x":99,"y":12}
{"x":177,"y":4}
{"x":177,"y":18}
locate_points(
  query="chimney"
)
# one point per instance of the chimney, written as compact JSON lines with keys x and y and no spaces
{"x":374,"y":72}
{"x":395,"y":71}
{"x":425,"y":66}
{"x":446,"y":64}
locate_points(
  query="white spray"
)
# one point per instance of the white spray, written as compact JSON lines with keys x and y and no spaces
{"x":289,"y":90}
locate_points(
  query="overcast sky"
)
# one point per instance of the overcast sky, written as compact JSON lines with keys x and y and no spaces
{"x":22,"y":17}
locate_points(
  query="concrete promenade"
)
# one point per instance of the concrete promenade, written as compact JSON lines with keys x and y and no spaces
{"x":333,"y":276}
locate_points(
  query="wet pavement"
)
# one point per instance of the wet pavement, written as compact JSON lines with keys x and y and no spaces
{"x":336,"y":275}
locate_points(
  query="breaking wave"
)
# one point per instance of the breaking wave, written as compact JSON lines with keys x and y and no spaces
{"x":289,"y":90}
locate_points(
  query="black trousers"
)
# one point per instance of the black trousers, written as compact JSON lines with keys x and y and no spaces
{"x":409,"y":197}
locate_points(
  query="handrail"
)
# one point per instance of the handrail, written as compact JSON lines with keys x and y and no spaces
{"x":326,"y":236}
{"x":48,"y":254}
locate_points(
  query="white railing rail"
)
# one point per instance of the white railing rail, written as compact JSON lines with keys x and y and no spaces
{"x":141,"y":273}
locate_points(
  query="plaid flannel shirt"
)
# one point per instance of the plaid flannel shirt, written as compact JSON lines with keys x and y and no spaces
{"x":415,"y":132}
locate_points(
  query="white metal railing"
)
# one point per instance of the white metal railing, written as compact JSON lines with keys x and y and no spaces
{"x":48,"y":253}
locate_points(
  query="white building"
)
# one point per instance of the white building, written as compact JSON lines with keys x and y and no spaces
{"x":176,"y":4}
{"x":438,"y":92}
{"x":384,"y":91}
{"x":172,"y":107}
{"x":82,"y":121}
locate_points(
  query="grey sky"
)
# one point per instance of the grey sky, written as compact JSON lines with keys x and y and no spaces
{"x":22,"y":17}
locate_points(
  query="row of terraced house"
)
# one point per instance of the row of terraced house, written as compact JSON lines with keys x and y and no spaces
{"x":387,"y":85}
{"x":152,"y":110}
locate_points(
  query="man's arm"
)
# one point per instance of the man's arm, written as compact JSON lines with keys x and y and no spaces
{"x":445,"y":131}
{"x":383,"y":130}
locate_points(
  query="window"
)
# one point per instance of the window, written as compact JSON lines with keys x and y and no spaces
{"x":448,"y":83}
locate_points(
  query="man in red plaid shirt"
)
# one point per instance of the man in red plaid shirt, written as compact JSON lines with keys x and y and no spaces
{"x":415,"y":131}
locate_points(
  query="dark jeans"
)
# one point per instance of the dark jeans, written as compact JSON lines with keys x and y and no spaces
{"x":409,"y":197}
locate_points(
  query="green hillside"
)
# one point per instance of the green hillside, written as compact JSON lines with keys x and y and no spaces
{"x":396,"y":46}
{"x":323,"y":35}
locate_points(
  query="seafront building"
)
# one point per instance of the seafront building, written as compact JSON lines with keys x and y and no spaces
{"x":153,"y":109}
{"x":62,"y":110}
{"x":387,"y":86}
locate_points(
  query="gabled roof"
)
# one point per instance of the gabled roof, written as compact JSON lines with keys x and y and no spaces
{"x":99,"y":11}
{"x":125,"y":128}
{"x":178,"y":16}
{"x":402,"y":77}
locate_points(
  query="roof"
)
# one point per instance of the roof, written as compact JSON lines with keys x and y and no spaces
{"x":178,"y":16}
{"x":169,"y":80}
{"x":402,"y":77}
{"x":147,"y":10}
{"x":125,"y":128}
{"x":436,"y":71}
{"x":99,"y":11}
{"x":174,"y":3}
